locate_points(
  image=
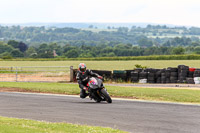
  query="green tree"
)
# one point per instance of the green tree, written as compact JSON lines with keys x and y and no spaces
{"x":47,"y":54}
{"x":17,"y":53}
{"x":178,"y":50}
{"x":144,"y":42}
{"x":73,"y":53}
{"x":56,"y":47}
{"x":31,"y":52}
{"x":5,"y":48}
{"x":22,"y":47}
{"x":13,"y":43}
{"x":68,"y":47}
{"x":86,"y":55}
{"x":197,"y":50}
{"x":111,"y":54}
{"x":6,"y":55}
{"x":43,"y":48}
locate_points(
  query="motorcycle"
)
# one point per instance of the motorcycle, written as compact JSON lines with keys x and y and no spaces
{"x":97,"y":91}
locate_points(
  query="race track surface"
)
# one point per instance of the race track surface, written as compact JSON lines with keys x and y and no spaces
{"x":131,"y":116}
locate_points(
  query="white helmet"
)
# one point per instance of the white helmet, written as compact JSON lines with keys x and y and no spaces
{"x":82,"y":67}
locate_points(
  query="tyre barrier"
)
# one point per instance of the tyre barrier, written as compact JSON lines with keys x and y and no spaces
{"x":128,"y":75}
{"x":106,"y":74}
{"x":182,"y":73}
{"x":119,"y":75}
{"x":179,"y":74}
{"x":134,"y":76}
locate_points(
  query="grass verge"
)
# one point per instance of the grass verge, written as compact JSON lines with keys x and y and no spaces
{"x":105,"y":65}
{"x":13,"y":125}
{"x":159,"y":94}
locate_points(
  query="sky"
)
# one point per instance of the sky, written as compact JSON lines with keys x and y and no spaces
{"x":176,"y":12}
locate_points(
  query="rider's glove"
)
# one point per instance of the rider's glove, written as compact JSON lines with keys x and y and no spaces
{"x":85,"y":88}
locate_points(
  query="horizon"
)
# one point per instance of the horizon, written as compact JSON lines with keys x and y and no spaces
{"x":114,"y":24}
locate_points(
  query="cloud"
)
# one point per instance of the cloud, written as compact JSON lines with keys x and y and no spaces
{"x":180,"y":12}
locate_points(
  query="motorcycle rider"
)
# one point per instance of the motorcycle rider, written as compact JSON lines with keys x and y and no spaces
{"x":82,"y":77}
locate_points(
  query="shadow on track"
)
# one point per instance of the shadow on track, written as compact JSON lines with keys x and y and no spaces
{"x":92,"y":102}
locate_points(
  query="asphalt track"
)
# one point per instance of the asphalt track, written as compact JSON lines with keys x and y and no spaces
{"x":127,"y":115}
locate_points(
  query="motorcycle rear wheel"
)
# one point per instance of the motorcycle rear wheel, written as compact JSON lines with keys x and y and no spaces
{"x":106,"y":96}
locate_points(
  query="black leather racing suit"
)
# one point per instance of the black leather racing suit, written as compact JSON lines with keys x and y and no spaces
{"x":83,"y":78}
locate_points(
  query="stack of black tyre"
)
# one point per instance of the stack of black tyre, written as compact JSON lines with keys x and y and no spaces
{"x":143,"y":75}
{"x":191,"y":74}
{"x":128,"y":75}
{"x":197,"y":73}
{"x":151,"y":75}
{"x":173,"y":78}
{"x":163,"y":76}
{"x":135,"y":75}
{"x":190,"y":77}
{"x":138,"y":70}
{"x":106,"y":74}
{"x":168,"y":74}
{"x":158,"y":76}
{"x":182,"y":73}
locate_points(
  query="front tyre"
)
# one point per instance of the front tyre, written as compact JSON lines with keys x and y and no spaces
{"x":106,"y":96}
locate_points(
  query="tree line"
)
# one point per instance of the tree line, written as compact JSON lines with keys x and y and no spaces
{"x":42,"y":42}
{"x":145,"y":37}
{"x":17,"y":49}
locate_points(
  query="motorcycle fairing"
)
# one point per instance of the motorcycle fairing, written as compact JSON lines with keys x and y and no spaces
{"x":94,"y":83}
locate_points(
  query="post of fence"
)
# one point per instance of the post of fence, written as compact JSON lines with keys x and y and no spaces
{"x":71,"y":74}
{"x":16,"y":74}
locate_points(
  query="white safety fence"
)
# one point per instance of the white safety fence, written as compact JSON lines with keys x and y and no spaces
{"x":37,"y":74}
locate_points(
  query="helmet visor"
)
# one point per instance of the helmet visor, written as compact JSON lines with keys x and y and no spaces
{"x":82,"y":69}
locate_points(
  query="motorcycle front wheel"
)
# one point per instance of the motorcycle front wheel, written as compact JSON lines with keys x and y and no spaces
{"x":106,"y":96}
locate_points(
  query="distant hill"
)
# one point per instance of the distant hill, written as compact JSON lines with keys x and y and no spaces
{"x":86,"y":25}
{"x":79,"y":33}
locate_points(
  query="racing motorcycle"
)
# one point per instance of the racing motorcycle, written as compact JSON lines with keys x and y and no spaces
{"x":97,"y":91}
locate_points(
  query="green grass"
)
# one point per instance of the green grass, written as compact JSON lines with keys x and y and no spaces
{"x":59,"y":88}
{"x":107,"y":65}
{"x":158,"y":94}
{"x":13,"y":125}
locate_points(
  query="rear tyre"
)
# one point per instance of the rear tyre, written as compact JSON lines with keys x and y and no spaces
{"x":106,"y":96}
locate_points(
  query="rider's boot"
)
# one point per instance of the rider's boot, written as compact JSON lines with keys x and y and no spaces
{"x":83,"y":94}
